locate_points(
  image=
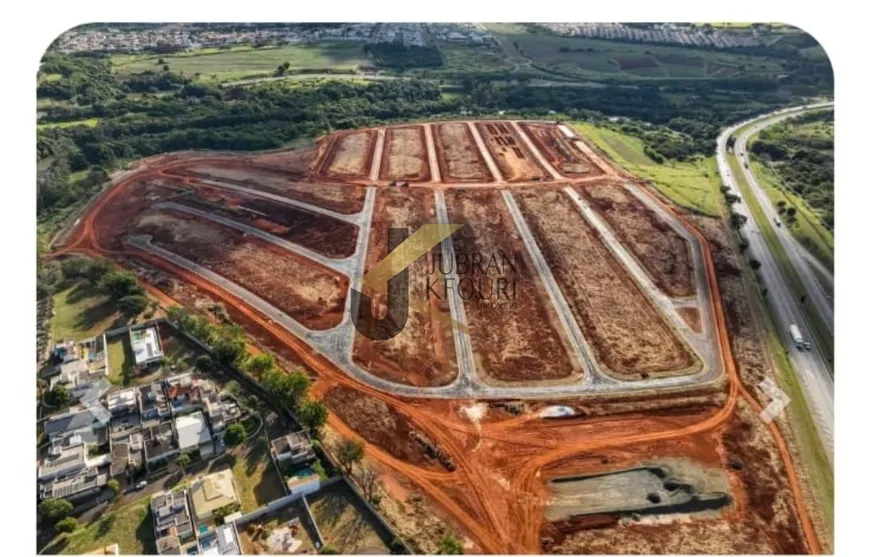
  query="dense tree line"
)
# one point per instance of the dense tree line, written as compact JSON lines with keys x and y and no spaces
{"x":805,"y":162}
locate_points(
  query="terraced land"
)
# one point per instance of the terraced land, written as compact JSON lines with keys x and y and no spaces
{"x":304,"y":290}
{"x":627,"y":333}
{"x":560,"y":151}
{"x":405,"y":157}
{"x":459,"y":158}
{"x":515,"y":333}
{"x":320,"y":233}
{"x":661,"y":250}
{"x":349,"y":155}
{"x":423,"y":353}
{"x":345,"y":199}
{"x":515,"y":162}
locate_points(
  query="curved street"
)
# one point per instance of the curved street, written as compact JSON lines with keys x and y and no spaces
{"x":814,"y":372}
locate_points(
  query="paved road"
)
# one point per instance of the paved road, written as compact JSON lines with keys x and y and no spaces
{"x":343,"y":266}
{"x":795,"y":251}
{"x":813,"y":371}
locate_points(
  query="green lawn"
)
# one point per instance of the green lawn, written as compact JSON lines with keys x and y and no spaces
{"x":477,"y":59}
{"x":257,"y":481}
{"x":130,"y":527}
{"x":80,"y":311}
{"x":121,"y":360}
{"x":226,"y":65}
{"x":825,"y":343}
{"x":692,"y":184}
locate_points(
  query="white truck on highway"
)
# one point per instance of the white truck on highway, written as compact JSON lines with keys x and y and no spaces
{"x":798,"y":338}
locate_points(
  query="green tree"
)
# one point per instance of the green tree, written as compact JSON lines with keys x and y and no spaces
{"x":114,"y":486}
{"x":204,"y":363}
{"x":349,"y":452}
{"x":96,"y":270}
{"x":328,"y":550}
{"x":53,"y":510}
{"x":119,"y":284}
{"x":58,"y":397}
{"x":67,"y":525}
{"x":260,"y":365}
{"x":235,"y":435}
{"x":287,"y":388}
{"x":234,"y":388}
{"x":183,"y":461}
{"x":133,"y":305}
{"x":312,"y":414}
{"x":450,"y":545}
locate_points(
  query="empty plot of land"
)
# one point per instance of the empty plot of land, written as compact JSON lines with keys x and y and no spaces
{"x":423,"y":353}
{"x":560,"y":151}
{"x":320,"y":233}
{"x":513,"y":158}
{"x":405,"y":155}
{"x":661,"y":250}
{"x":346,"y":199}
{"x":295,"y":161}
{"x":515,"y":333}
{"x":458,"y":156}
{"x":379,"y":424}
{"x":628,"y":334}
{"x":692,"y":316}
{"x":346,"y":525}
{"x":309,"y":293}
{"x":349,"y":155}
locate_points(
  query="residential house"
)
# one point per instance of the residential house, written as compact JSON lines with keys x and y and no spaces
{"x":171,"y":519}
{"x":224,"y":540}
{"x":184,"y":394}
{"x":152,"y":402}
{"x":77,"y":421}
{"x":159,"y":442}
{"x":194,"y":435}
{"x":122,"y":402}
{"x":75,"y":486}
{"x":295,"y":448}
{"x":146,"y":346}
{"x":211,"y":493}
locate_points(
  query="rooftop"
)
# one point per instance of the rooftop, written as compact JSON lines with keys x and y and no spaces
{"x":146,"y":345}
{"x":192,"y":430}
{"x":171,"y":515}
{"x":296,"y":445}
{"x":222,"y":541}
{"x":71,"y":486}
{"x":212,"y":492}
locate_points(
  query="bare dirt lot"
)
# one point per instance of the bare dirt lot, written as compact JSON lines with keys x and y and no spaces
{"x":663,"y":253}
{"x":513,"y":158}
{"x":296,"y":161}
{"x":627,"y":333}
{"x":349,"y":155}
{"x":560,"y":151}
{"x":423,"y":353}
{"x":458,"y":156}
{"x":380,"y":424}
{"x":320,"y":233}
{"x":405,"y":156}
{"x":515,"y":332}
{"x":692,"y":317}
{"x":342,"y":198}
{"x":760,"y":520}
{"x":307,"y":292}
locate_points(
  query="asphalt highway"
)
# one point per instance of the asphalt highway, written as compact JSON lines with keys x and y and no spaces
{"x":813,"y":371}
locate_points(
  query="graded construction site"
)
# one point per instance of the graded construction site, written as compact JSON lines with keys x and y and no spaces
{"x":564,"y":381}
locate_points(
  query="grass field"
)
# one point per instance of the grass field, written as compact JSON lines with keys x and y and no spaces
{"x":590,"y":58}
{"x":227,"y":65}
{"x":130,"y":527}
{"x":825,"y":341}
{"x":257,"y":481}
{"x":344,"y":523}
{"x":80,"y":311}
{"x":476,"y":59}
{"x":121,"y":360}
{"x":693,"y":185}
